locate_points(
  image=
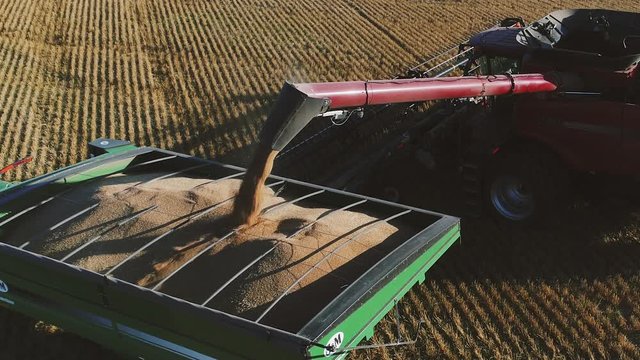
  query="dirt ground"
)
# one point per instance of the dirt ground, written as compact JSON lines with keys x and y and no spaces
{"x":199,"y":76}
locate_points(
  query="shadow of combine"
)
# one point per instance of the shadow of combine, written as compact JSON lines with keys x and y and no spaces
{"x":596,"y":237}
{"x":588,"y":242}
{"x":230,"y":140}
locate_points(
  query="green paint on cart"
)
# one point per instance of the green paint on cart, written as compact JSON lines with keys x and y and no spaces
{"x":141,"y":322}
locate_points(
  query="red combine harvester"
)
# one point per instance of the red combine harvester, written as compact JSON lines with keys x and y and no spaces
{"x":534,"y":104}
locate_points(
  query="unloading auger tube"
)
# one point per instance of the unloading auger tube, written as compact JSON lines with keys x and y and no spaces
{"x":297,"y":104}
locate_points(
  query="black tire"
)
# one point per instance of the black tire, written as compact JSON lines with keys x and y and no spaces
{"x":524,"y":188}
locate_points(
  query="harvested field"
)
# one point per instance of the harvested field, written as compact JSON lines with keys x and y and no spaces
{"x":199,"y":76}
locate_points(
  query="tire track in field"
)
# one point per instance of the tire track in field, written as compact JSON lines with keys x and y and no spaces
{"x":46,"y":156}
{"x":86,"y":85}
{"x":215,"y":85}
{"x":180,"y":70}
{"x":127,"y":71}
{"x":72,"y":82}
{"x":433,"y":295}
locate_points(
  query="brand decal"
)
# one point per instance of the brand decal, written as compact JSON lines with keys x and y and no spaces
{"x":3,"y":287}
{"x":334,"y":343}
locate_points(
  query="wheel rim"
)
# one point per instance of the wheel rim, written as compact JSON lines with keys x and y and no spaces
{"x":512,"y":198}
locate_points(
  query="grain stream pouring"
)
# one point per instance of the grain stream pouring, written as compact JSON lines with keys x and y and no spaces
{"x":293,"y":110}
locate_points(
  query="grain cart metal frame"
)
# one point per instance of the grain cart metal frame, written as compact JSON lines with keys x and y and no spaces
{"x":145,"y":323}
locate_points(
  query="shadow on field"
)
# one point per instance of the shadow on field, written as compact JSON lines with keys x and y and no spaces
{"x":230,"y":140}
{"x":596,"y":237}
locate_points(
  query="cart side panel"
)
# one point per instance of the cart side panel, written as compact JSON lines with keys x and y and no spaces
{"x":360,"y":323}
{"x":132,"y":339}
{"x":220,"y":330}
{"x":106,"y":310}
{"x":41,"y":274}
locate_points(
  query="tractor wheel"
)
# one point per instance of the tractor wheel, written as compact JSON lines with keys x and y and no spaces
{"x":523,"y":188}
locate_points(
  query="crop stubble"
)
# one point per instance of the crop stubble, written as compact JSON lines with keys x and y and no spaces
{"x":199,"y":76}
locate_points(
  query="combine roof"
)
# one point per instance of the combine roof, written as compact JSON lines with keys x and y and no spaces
{"x":591,"y":32}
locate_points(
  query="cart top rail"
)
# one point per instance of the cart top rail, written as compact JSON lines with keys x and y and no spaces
{"x":348,"y":299}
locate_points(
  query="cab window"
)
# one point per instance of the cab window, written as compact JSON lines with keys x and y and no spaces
{"x":496,"y":65}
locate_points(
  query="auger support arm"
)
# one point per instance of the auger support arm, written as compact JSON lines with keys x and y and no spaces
{"x":297,"y":104}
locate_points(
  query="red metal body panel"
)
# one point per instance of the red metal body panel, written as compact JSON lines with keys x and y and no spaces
{"x":376,"y":92}
{"x":586,"y":132}
{"x":631,"y":137}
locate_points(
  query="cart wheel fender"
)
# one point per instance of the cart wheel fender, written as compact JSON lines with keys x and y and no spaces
{"x":334,"y":343}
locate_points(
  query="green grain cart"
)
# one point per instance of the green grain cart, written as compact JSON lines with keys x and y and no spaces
{"x":145,"y":322}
